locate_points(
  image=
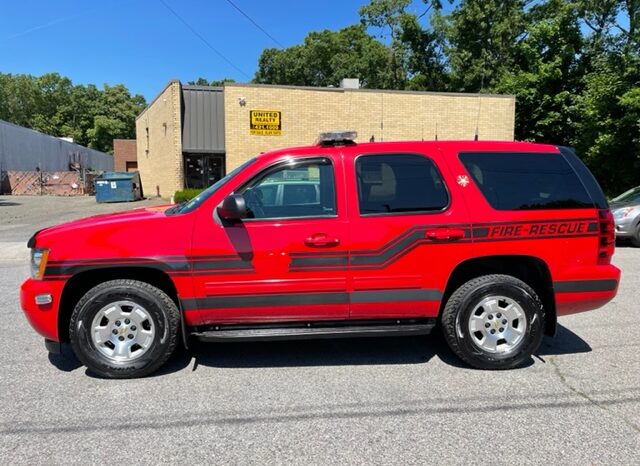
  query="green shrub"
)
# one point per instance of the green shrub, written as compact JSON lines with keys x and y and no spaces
{"x":186,"y":195}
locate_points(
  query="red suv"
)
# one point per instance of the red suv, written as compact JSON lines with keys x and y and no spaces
{"x":493,"y":240}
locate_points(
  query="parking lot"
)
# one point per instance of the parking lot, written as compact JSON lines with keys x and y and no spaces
{"x":397,"y":400}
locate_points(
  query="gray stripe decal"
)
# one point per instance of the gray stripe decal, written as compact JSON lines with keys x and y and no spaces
{"x":319,"y":261}
{"x":394,"y":296}
{"x":390,"y":252}
{"x":291,"y":299}
{"x":576,"y":286}
{"x":221,"y":264}
{"x":296,"y":299}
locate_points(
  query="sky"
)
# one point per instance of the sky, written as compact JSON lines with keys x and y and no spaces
{"x":143,"y":45}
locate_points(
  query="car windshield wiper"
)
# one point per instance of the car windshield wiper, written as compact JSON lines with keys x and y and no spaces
{"x":175,"y":209}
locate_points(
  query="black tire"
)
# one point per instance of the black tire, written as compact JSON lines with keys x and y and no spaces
{"x":635,"y":238}
{"x":161,"y":310}
{"x":458,"y":311}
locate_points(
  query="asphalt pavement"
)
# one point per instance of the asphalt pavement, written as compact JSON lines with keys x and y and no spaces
{"x":371,"y":401}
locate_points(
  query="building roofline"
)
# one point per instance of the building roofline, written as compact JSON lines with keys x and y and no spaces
{"x":385,"y":91}
{"x":193,"y":87}
{"x":56,"y":138}
{"x":158,"y":96}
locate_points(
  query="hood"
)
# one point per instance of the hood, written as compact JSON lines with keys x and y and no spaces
{"x":619,"y":205}
{"x":104,"y":220}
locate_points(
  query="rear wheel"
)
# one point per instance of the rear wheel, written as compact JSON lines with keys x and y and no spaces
{"x":124,"y":329}
{"x":494,"y":322}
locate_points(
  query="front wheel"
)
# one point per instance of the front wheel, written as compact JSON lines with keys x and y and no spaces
{"x":635,"y":239}
{"x":494,"y":322}
{"x":124,"y":329}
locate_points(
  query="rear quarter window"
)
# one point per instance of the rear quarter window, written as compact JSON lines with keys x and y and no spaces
{"x":526,"y":181}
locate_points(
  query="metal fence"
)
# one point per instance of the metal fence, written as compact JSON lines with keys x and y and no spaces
{"x":23,"y":149}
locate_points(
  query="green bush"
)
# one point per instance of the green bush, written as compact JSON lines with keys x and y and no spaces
{"x":186,"y":195}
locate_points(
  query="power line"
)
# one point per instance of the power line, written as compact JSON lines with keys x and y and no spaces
{"x":205,"y":41}
{"x":255,"y":24}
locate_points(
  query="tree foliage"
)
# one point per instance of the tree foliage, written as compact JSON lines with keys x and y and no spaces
{"x":216,"y":82}
{"x":573,"y":65}
{"x":53,"y":105}
{"x":326,"y":57}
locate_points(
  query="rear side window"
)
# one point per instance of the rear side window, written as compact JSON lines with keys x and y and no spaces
{"x":526,"y":181}
{"x":398,"y":183}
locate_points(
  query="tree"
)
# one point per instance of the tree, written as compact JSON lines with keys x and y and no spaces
{"x":325,"y":58}
{"x":482,"y":37}
{"x":216,"y":82}
{"x":52,"y":104}
{"x":416,"y":53}
{"x":545,"y":74}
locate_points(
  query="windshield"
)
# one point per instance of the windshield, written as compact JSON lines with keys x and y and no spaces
{"x":628,"y":196}
{"x":204,"y":195}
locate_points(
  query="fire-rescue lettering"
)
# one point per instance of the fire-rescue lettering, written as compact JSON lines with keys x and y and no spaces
{"x":538,"y":229}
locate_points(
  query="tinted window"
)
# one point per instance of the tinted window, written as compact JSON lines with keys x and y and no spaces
{"x":303,"y":189}
{"x":399,"y":183}
{"x":526,"y":181}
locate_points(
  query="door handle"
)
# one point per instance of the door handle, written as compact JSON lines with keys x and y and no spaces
{"x":321,"y":240}
{"x":442,"y":234}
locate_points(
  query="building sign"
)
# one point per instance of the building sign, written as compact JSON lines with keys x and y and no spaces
{"x":265,"y":123}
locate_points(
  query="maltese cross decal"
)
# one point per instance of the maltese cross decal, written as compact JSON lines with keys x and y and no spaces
{"x":463,"y":180}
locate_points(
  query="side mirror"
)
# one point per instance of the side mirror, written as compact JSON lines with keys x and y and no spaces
{"x":233,"y":207}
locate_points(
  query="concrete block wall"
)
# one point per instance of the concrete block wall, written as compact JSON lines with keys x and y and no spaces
{"x":385,"y":115}
{"x":159,"y":144}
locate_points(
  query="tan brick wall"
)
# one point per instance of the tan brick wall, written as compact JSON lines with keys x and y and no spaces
{"x":124,"y":150}
{"x":387,"y":116}
{"x":160,"y":153}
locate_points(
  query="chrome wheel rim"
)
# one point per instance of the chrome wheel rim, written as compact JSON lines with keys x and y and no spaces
{"x":497,"y":325}
{"x":122,"y":331}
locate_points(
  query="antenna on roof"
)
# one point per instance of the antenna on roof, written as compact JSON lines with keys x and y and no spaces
{"x":475,"y":138}
{"x":436,"y":130}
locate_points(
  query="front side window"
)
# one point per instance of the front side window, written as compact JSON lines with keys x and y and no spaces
{"x":526,"y":181}
{"x":293,"y":189}
{"x":399,"y":183}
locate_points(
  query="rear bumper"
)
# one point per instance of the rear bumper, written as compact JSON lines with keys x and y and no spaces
{"x":42,"y":317}
{"x":582,"y":292}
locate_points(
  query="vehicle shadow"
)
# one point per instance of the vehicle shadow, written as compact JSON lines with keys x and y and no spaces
{"x":4,"y":203}
{"x":357,"y":351}
{"x":564,"y":342}
{"x":66,"y":360}
{"x":331,"y":352}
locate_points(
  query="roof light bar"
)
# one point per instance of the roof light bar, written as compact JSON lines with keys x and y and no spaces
{"x":337,"y":138}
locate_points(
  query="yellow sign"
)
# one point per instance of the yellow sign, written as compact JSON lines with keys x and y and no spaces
{"x":265,"y":123}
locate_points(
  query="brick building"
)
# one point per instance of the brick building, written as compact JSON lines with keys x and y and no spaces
{"x":190,"y":136}
{"x":125,"y":157}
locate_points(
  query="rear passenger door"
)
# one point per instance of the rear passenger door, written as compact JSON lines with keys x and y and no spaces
{"x":409,"y":229}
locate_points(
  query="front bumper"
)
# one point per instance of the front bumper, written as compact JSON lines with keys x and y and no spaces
{"x":625,"y":228}
{"x":42,"y":317}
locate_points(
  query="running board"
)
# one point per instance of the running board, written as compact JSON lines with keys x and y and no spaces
{"x":314,"y":331}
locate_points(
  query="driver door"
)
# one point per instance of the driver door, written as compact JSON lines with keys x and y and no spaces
{"x":273,"y":270}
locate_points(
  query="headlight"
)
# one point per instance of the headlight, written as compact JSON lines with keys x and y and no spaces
{"x":622,"y":213}
{"x":38,"y":263}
